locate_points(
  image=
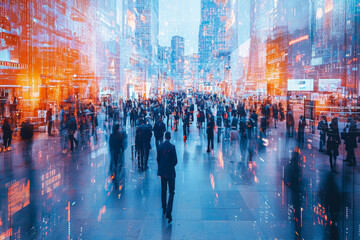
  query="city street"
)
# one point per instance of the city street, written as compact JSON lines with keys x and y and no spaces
{"x":238,"y":191}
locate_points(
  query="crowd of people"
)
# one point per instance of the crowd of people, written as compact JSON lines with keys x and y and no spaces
{"x":245,"y":120}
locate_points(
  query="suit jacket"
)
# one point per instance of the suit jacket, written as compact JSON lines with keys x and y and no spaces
{"x":166,"y":160}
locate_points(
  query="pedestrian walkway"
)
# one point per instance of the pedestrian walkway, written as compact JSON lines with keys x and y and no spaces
{"x":218,"y":195}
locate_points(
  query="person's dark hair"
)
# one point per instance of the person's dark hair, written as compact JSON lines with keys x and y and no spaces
{"x":116,"y":128}
{"x":167,"y":135}
{"x":334,"y":121}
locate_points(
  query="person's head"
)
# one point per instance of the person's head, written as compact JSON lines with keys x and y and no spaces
{"x":334,"y":121}
{"x":160,"y":118}
{"x":349,"y":119}
{"x":116,"y":128}
{"x":324,"y":117}
{"x":168,"y":136}
{"x":301,"y":116}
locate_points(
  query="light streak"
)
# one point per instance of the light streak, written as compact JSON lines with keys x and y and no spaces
{"x":300,"y":39}
{"x":212,"y":181}
{"x":101,"y":212}
{"x":6,"y":234}
{"x":221,"y":160}
{"x":68,"y":208}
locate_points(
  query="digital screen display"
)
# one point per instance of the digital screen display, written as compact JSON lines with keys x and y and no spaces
{"x":329,"y":85}
{"x":301,"y":85}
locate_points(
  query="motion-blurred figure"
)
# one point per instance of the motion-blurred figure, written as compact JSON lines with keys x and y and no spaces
{"x":322,"y":127}
{"x":333,"y":143}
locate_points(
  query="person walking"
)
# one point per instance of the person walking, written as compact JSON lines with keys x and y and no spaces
{"x":275,"y":114}
{"x":159,"y":130}
{"x":254,"y":117}
{"x":333,"y":143}
{"x":7,"y":135}
{"x":27,"y":133}
{"x":186,"y":124}
{"x":167,"y":160}
{"x":49,"y":120}
{"x":219,"y":125}
{"x":349,"y":135}
{"x":147,"y":138}
{"x":301,"y":129}
{"x":323,"y":128}
{"x":117,"y":144}
{"x":290,"y":123}
{"x":210,"y":131}
{"x":72,"y":128}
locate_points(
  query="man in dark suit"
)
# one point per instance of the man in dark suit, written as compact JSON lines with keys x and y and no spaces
{"x":301,"y":129}
{"x":159,"y":130}
{"x":210,"y":131}
{"x":349,"y":136}
{"x":167,"y":161}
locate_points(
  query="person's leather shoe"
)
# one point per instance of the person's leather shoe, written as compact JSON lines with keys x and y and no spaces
{"x":169,"y":217}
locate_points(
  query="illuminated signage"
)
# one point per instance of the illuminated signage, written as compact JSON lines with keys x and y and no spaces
{"x":301,"y":85}
{"x":329,"y":85}
{"x":50,"y":181}
{"x":18,"y":196}
{"x":300,"y":39}
{"x":13,"y":65}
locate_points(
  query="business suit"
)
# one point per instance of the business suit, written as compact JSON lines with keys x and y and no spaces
{"x":167,"y":161}
{"x":210,"y":132}
{"x":350,"y":142}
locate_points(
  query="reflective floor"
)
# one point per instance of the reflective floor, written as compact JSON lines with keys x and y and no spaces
{"x":255,"y":189}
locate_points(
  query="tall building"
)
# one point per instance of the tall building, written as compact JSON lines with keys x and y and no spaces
{"x":177,"y":60}
{"x":218,"y":37}
{"x":139,"y":46}
{"x":259,"y":32}
{"x":147,"y":25}
{"x":207,"y":34}
{"x":164,"y":58}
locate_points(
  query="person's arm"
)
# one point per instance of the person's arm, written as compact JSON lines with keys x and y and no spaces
{"x":174,"y":157}
{"x":158,"y":155}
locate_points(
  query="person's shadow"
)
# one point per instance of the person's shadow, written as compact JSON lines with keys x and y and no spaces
{"x":296,"y":187}
{"x":166,"y":230}
{"x":330,"y":198}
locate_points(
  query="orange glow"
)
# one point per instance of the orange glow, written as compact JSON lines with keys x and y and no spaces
{"x":300,"y":39}
{"x":212,"y":181}
{"x":131,"y":20}
{"x":101,"y":212}
{"x":6,"y":234}
{"x":221,"y":160}
{"x":68,"y":208}
{"x":329,"y":6}
{"x":19,"y":196}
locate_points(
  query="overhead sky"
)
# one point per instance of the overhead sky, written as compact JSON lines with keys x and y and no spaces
{"x":182,"y":18}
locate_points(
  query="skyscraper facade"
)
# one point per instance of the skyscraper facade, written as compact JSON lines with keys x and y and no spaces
{"x":177,"y":60}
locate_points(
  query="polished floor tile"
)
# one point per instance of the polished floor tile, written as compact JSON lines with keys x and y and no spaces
{"x":241,"y":190}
